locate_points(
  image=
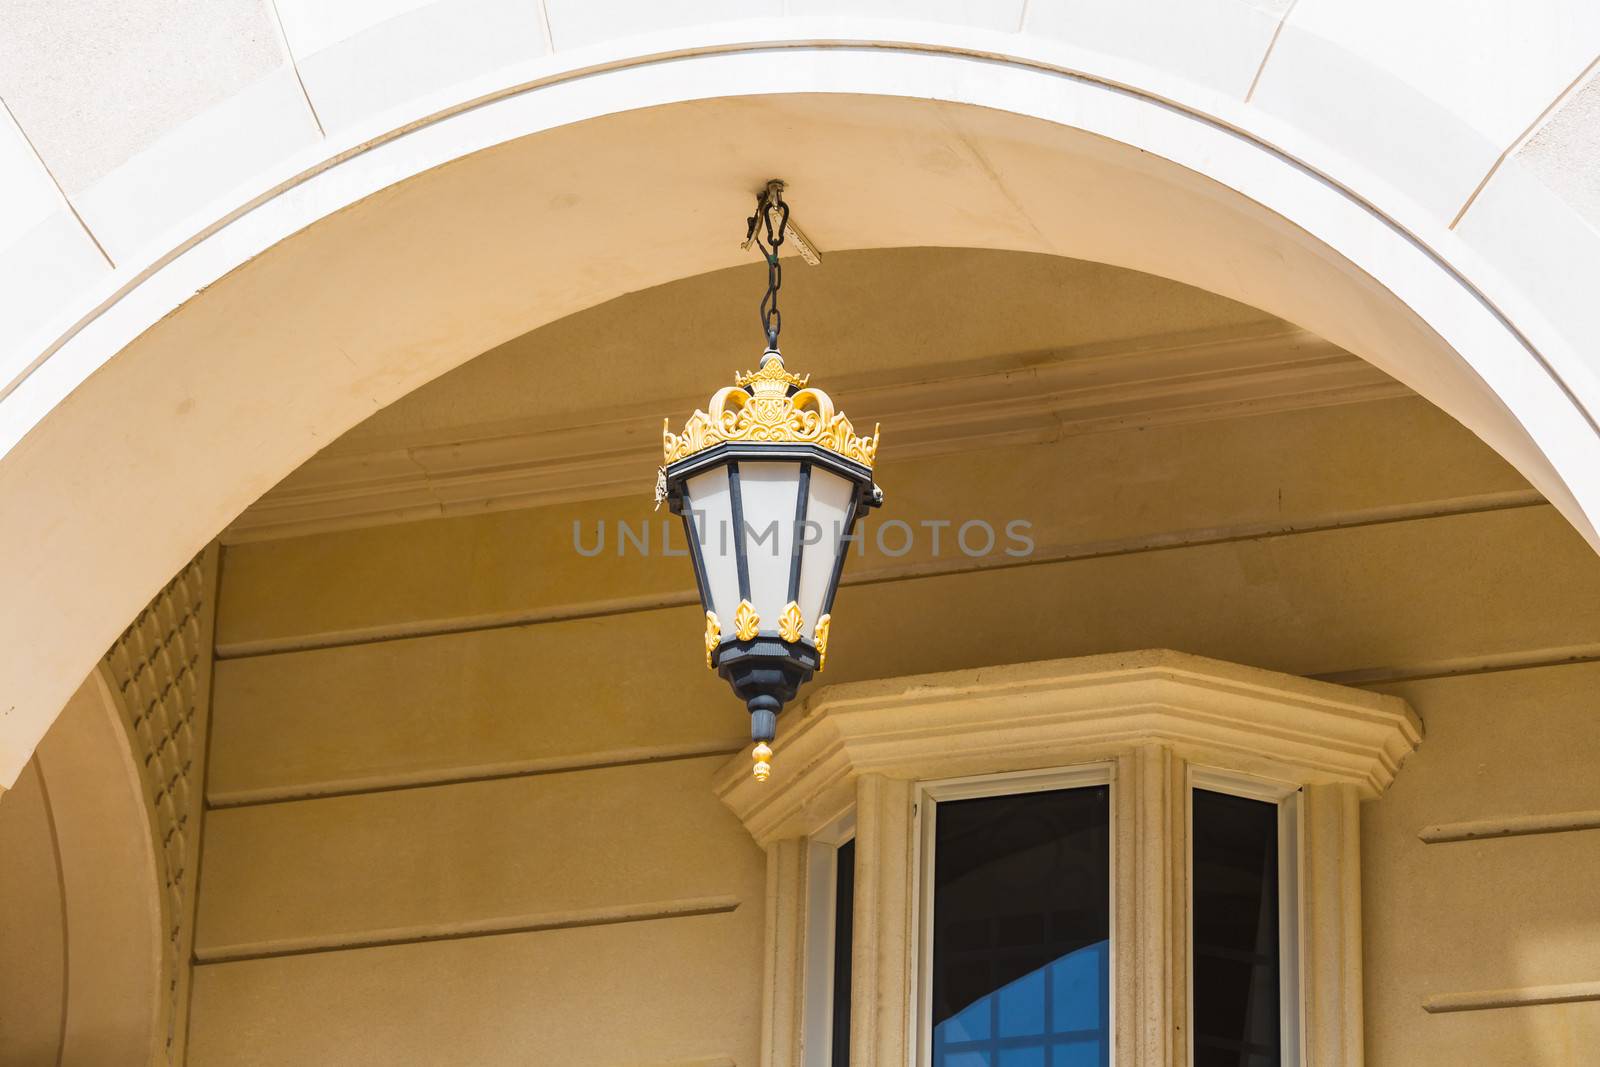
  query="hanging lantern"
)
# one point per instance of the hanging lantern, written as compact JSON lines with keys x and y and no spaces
{"x":770,"y":480}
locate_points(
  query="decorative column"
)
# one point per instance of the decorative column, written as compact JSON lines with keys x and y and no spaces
{"x":882,"y":1000}
{"x":1331,"y":934}
{"x":783,"y":984}
{"x":1152,"y":915}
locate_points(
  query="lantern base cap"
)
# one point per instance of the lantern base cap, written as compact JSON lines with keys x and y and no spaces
{"x":766,"y":673}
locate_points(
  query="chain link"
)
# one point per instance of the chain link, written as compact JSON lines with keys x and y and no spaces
{"x":769,"y":238}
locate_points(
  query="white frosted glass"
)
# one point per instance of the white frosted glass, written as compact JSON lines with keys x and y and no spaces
{"x":712,"y":506}
{"x":827,"y":507}
{"x":769,"y":493}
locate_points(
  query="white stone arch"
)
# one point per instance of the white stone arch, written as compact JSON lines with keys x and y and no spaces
{"x":175,"y":390}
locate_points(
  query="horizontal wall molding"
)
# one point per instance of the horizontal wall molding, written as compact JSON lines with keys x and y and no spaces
{"x":1044,"y":554}
{"x":1510,"y":826}
{"x":496,"y":927}
{"x":1467,"y":666}
{"x":1525,"y":997}
{"x":1011,"y":400}
{"x":627,"y":757}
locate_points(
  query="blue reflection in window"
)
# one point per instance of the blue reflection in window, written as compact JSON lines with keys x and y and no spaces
{"x":1021,"y":930}
{"x":1056,"y":1016}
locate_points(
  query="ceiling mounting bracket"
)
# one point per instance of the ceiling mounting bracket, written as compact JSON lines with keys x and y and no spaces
{"x":770,"y":200}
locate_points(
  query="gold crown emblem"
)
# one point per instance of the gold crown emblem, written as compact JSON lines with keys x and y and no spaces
{"x":771,"y":379}
{"x":770,"y":406}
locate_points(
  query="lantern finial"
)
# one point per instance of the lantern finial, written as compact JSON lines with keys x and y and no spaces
{"x":771,"y":379}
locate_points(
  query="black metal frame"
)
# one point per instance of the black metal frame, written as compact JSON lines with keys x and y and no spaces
{"x":740,"y":554}
{"x":796,"y":545}
{"x":718,"y":455}
{"x":766,"y":672}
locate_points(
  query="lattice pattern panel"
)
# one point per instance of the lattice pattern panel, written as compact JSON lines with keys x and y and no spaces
{"x":160,"y":669}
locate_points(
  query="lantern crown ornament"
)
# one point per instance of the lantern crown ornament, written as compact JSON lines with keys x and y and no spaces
{"x":770,"y":480}
{"x":770,"y":406}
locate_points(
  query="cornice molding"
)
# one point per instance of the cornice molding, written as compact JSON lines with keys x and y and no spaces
{"x":989,"y":403}
{"x":1062,"y":712}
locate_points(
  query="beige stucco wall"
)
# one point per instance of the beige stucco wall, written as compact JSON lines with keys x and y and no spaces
{"x":525,"y":827}
{"x":1494,"y":916}
{"x":31,"y":927}
{"x":81,"y":930}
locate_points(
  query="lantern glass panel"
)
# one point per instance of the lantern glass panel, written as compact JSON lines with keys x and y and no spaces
{"x":711,"y":514}
{"x":827,"y":521}
{"x":769,"y":497}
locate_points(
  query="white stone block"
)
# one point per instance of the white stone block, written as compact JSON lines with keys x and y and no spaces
{"x":96,"y":82}
{"x":1218,"y":43}
{"x":418,"y":52}
{"x":1551,"y":254}
{"x":575,"y":23}
{"x":312,"y":25}
{"x":1004,"y":15}
{"x":214,"y":154}
{"x":42,"y":270}
{"x":1564,"y":153}
{"x":46,"y":256}
{"x":1426,"y":93}
{"x":27,"y":193}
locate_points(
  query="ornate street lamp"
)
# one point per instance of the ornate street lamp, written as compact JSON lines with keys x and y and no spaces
{"x":770,"y":480}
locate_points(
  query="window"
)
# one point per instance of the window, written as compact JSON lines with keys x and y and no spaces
{"x":1146,"y":856}
{"x":844,"y":900}
{"x":831,"y":875}
{"x":1243,"y":1002}
{"x":1018,"y":897}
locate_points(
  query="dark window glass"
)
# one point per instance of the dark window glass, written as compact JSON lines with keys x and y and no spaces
{"x":844,"y":906}
{"x":1235,"y":888}
{"x":1021,"y":930}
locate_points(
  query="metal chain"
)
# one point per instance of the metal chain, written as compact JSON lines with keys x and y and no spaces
{"x":769,"y":239}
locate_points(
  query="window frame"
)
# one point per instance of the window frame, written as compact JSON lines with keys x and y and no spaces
{"x":822,"y":887}
{"x":927,"y":796}
{"x":1286,"y":797}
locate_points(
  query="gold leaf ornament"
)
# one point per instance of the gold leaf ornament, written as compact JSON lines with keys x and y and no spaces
{"x":822,"y":640}
{"x":713,"y":635}
{"x":746,"y":623}
{"x":790,"y":623}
